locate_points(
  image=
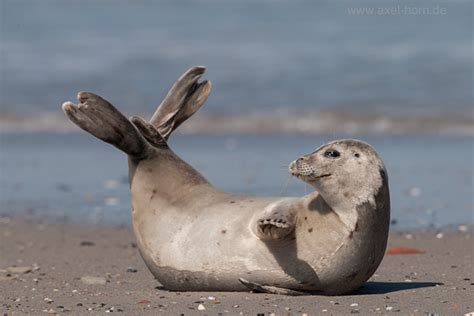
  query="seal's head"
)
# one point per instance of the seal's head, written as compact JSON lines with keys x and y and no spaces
{"x":343,"y":170}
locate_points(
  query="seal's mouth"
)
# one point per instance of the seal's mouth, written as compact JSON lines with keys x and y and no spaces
{"x":310,"y":177}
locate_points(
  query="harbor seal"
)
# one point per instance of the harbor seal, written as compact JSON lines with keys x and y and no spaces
{"x":194,"y":237}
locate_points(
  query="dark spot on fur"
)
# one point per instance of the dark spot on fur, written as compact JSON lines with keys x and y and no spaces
{"x":351,"y":234}
{"x":305,"y":218}
{"x":357,"y":227}
{"x":154,"y":191}
{"x":218,"y":243}
{"x":223,"y":231}
{"x":150,"y":170}
{"x":357,"y":155}
{"x":352,"y":275}
{"x":346,"y":194}
{"x":232,"y":202}
{"x":310,"y":230}
{"x":248,"y":272}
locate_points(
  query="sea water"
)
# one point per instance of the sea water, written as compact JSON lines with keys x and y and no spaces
{"x":76,"y":177}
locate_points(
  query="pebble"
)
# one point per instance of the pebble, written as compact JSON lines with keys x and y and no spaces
{"x":25,"y":269}
{"x":211,"y":298}
{"x":388,"y":308}
{"x":87,"y":243}
{"x":439,"y":235}
{"x":48,"y":300}
{"x":132,"y":269}
{"x":201,"y":307}
{"x":354,"y":304}
{"x":91,"y":280}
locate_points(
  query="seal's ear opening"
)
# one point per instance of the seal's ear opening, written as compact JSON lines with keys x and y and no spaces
{"x":185,"y":97}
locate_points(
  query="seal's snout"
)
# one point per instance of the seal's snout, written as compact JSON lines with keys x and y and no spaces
{"x":300,"y":167}
{"x":292,"y":168}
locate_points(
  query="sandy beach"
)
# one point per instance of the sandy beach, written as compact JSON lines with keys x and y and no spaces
{"x":56,"y":268}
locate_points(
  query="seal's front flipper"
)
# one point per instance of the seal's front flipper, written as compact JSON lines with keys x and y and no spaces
{"x":270,"y":289}
{"x":100,"y":118}
{"x":276,"y":222}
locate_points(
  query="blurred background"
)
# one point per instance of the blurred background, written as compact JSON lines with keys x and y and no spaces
{"x":287,"y":77}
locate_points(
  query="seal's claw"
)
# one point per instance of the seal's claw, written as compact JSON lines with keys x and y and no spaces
{"x":278,"y":222}
{"x":68,"y":106}
{"x":270,"y":289}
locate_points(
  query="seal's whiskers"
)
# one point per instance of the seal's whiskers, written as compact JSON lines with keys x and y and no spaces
{"x":285,"y":186}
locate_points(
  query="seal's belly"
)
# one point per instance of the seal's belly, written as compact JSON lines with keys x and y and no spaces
{"x":214,"y":256}
{"x":210,"y":248}
{"x":192,"y":253}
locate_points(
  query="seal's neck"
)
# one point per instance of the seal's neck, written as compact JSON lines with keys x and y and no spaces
{"x":346,"y":202}
{"x":349,"y":202}
{"x":344,"y":207}
{"x":167,"y":175}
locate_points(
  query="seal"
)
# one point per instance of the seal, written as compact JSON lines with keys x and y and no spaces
{"x":194,"y":237}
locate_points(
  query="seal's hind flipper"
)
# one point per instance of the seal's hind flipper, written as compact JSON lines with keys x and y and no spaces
{"x":148,"y":131}
{"x":276,"y":222}
{"x":100,"y":118}
{"x":185,"y":97}
{"x":270,"y":289}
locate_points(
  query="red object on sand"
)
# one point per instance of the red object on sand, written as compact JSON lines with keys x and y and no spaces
{"x":403,"y":251}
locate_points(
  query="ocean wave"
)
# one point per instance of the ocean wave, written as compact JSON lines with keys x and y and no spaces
{"x":313,"y":123}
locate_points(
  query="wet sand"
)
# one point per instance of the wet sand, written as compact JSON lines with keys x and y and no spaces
{"x":44,"y":268}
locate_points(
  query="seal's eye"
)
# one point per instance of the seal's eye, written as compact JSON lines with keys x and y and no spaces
{"x":332,"y":154}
